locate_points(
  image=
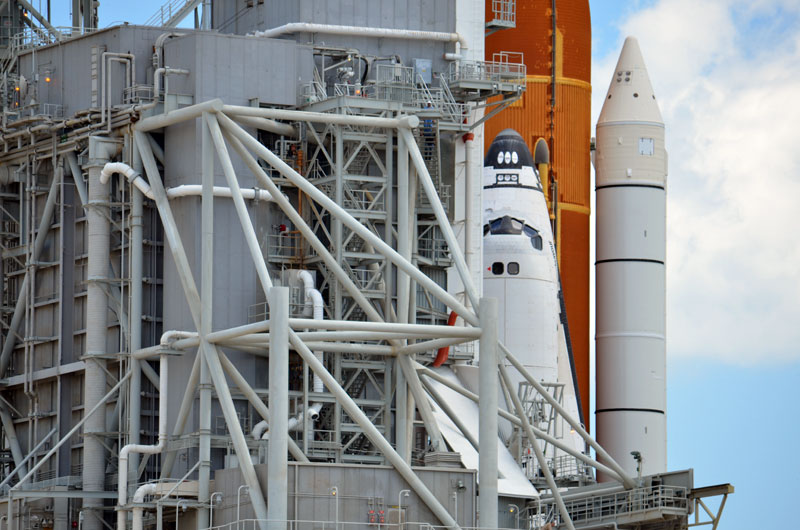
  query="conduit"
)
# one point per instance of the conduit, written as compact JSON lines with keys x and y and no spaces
{"x":138,"y":498}
{"x":313,"y":303}
{"x":186,"y":190}
{"x":145,"y":449}
{"x":356,"y":31}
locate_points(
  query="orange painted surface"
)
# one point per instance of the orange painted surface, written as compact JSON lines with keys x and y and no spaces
{"x":568,"y":139}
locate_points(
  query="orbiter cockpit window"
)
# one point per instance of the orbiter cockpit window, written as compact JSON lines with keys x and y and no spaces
{"x":536,"y":239}
{"x":497,"y":267}
{"x":507,"y":225}
{"x":513,"y":268}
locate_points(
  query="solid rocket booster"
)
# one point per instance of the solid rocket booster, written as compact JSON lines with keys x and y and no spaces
{"x":631,"y":168}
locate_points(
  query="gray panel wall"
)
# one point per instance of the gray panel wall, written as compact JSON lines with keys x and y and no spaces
{"x":70,"y":66}
{"x":233,"y":16}
{"x":360,"y":488}
{"x":238,"y":70}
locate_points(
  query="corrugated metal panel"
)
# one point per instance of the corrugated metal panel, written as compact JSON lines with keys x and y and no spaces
{"x":533,"y":36}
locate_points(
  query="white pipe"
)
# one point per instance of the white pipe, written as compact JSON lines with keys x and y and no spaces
{"x":161,"y":71}
{"x":313,"y":302}
{"x":185,"y":190}
{"x":356,"y":31}
{"x":259,"y":429}
{"x":138,"y":498}
{"x":131,"y":174}
{"x":145,"y":449}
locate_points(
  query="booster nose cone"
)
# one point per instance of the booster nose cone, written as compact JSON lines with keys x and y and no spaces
{"x":630,"y":96}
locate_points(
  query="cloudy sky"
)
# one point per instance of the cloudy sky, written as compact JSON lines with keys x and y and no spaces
{"x":727,"y":75}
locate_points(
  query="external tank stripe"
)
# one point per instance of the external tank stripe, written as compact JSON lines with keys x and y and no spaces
{"x":624,"y":409}
{"x":654,"y":186}
{"x":635,"y":260}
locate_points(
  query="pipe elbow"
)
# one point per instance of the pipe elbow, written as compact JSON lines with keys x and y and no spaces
{"x":259,"y":429}
{"x":147,"y":489}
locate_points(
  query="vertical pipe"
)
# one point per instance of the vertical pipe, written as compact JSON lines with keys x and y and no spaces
{"x":487,"y":410}
{"x":277,"y":507}
{"x":470,"y":176}
{"x":135,"y":313}
{"x":206,"y":311}
{"x":404,"y":249}
{"x":98,"y":244}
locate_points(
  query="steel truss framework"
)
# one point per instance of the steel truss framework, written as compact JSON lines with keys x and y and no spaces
{"x":356,"y":209}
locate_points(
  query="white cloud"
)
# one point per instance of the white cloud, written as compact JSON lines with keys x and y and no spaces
{"x":727,"y":75}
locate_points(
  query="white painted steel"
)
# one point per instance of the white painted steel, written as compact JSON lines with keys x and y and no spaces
{"x":143,"y":449}
{"x":529,"y":308}
{"x":487,"y":431}
{"x":98,"y":244}
{"x":277,"y":469}
{"x":631,"y":164}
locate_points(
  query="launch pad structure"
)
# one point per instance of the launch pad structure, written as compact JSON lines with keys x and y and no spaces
{"x":230,"y":260}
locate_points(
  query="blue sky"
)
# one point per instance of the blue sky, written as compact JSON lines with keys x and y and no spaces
{"x":727,"y":74}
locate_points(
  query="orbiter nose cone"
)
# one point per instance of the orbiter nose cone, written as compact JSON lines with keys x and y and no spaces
{"x":630,"y":96}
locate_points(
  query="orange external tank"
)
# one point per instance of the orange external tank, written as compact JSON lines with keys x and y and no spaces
{"x":556,"y":106}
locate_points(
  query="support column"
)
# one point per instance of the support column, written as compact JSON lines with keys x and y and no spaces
{"x":404,"y":249}
{"x":98,"y":244}
{"x":487,"y":431}
{"x":206,"y":311}
{"x":135,"y":389}
{"x":277,"y":488}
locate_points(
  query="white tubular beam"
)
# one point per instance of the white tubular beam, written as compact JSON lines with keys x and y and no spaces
{"x":353,"y":224}
{"x":619,"y":471}
{"x":423,"y":405}
{"x":373,"y":434}
{"x":255,"y":401}
{"x":264,"y":124}
{"x":387,"y":327}
{"x":277,"y":469}
{"x":441,"y":216}
{"x":357,"y":31}
{"x":487,"y":410}
{"x":238,"y":201}
{"x":301,"y":225}
{"x":209,"y":352}
{"x":430,"y":345}
{"x":321,"y":117}
{"x":543,"y":465}
{"x":403,"y":222}
{"x":176,"y":116}
{"x":204,"y":515}
{"x":193,"y":190}
{"x":237,"y":436}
